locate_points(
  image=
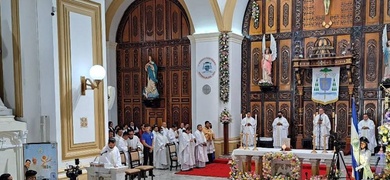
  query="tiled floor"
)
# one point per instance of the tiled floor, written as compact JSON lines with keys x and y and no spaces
{"x":170,"y":175}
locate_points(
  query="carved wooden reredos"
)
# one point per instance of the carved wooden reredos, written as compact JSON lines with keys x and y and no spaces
{"x":296,"y":26}
{"x":158,"y":28}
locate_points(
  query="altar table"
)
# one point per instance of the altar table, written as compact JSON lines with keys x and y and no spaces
{"x":245,"y":157}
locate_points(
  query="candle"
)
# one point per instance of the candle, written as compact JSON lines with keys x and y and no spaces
{"x":335,"y":122}
{"x":256,"y":117}
{"x":333,"y":114}
{"x":314,"y":116}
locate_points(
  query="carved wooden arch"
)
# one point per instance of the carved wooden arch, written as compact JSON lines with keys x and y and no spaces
{"x":156,"y":28}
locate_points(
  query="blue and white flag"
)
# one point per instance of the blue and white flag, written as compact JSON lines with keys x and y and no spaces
{"x":355,"y":143}
{"x":325,"y":85}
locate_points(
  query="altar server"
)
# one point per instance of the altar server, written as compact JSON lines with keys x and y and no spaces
{"x":200,"y":147}
{"x":186,"y":153}
{"x":367,"y":129}
{"x":173,"y":136}
{"x":110,"y":154}
{"x":280,"y":129}
{"x":124,"y":146}
{"x":165,"y":129}
{"x":248,"y":129}
{"x":321,"y":128}
{"x":364,"y":168}
{"x":160,"y":150}
{"x":135,"y":144}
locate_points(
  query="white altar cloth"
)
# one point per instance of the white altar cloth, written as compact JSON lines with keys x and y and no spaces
{"x":301,"y":153}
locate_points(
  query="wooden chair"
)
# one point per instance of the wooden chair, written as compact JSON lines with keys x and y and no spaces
{"x":136,"y":164}
{"x":123,"y":157}
{"x":173,"y":156}
{"x":130,"y":173}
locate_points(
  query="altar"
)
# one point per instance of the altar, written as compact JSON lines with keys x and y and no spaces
{"x":244,"y":157}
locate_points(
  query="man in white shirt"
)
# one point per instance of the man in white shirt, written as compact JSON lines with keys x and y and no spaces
{"x":186,"y":155}
{"x":280,"y":129}
{"x":173,"y":135}
{"x":200,"y":148}
{"x":119,"y":134}
{"x":321,"y":128}
{"x":110,"y":154}
{"x":248,"y":125}
{"x":367,"y":129}
{"x":135,"y":145}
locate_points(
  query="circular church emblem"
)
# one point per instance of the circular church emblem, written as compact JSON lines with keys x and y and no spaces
{"x":206,"y":89}
{"x":206,"y":68}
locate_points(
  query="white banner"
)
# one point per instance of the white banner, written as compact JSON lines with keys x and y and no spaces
{"x":325,"y":85}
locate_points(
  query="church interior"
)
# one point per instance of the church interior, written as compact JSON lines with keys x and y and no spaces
{"x":308,"y":79}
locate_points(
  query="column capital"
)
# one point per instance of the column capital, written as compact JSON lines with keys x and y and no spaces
{"x":235,"y":38}
{"x":111,"y":44}
{"x":204,"y":37}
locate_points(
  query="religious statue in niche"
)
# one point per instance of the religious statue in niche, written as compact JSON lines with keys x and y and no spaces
{"x":269,"y":55}
{"x":150,"y":91}
{"x":386,"y":55}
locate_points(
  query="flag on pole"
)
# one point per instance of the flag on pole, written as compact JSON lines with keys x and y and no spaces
{"x":354,"y":140}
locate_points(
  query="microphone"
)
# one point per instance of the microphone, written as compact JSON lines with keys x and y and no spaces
{"x":103,"y":153}
{"x":377,"y":161}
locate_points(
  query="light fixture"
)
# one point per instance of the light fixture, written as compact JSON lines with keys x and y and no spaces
{"x":97,"y":73}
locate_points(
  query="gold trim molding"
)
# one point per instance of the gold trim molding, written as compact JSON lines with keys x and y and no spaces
{"x":17,"y":59}
{"x":70,"y":150}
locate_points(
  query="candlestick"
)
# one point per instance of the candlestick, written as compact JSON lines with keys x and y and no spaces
{"x":386,"y":101}
{"x":333,"y":114}
{"x":247,"y":140}
{"x":241,"y":134}
{"x":314,"y":144}
{"x":254,"y":142}
{"x":335,"y":123}
{"x":324,"y":151}
{"x":314,"y":116}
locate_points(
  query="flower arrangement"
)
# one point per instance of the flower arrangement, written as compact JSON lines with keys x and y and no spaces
{"x":384,"y":135}
{"x":225,"y":117}
{"x":282,"y":156}
{"x":224,"y":67}
{"x":235,"y":174}
{"x":255,"y":13}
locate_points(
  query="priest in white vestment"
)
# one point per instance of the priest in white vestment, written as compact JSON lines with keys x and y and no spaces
{"x":367,"y":129}
{"x":200,"y":148}
{"x":110,"y":155}
{"x":186,"y":156}
{"x":160,"y":150}
{"x":248,"y":125}
{"x":280,"y":129}
{"x":321,"y":128}
{"x":165,"y":129}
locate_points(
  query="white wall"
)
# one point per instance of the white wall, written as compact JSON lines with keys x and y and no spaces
{"x":7,"y":54}
{"x":111,"y":79}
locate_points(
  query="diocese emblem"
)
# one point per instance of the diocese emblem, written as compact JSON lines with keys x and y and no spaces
{"x":325,"y":85}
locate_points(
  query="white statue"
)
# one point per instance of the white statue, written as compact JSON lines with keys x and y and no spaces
{"x":4,"y":111}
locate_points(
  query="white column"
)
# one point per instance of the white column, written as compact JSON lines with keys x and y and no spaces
{"x":111,"y":78}
{"x":204,"y":106}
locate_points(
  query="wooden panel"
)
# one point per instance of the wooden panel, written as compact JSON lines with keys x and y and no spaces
{"x":386,"y":12}
{"x":175,"y":83}
{"x":343,"y":42}
{"x":252,"y":29}
{"x":342,"y":109}
{"x":372,"y":12}
{"x":184,"y":30}
{"x":176,"y":56}
{"x":285,"y":15}
{"x":155,"y":116}
{"x":256,"y":70}
{"x":270,"y":112}
{"x":160,"y":19}
{"x":137,"y":85}
{"x":135,"y":22}
{"x":175,"y":22}
{"x":185,"y":83}
{"x":284,"y":69}
{"x":149,"y":21}
{"x":127,"y":85}
{"x":371,"y":108}
{"x":271,"y":16}
{"x":371,"y":57}
{"x":126,"y":33}
{"x":256,"y":110}
{"x":309,"y":109}
{"x":286,"y":108}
